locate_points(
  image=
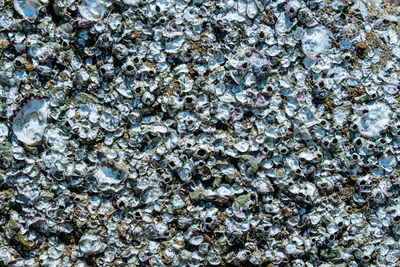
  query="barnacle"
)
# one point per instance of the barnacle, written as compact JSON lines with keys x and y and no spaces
{"x":30,"y":120}
{"x":376,"y":119}
{"x":27,"y":8}
{"x":92,"y":9}
{"x":197,"y":133}
{"x":315,"y":41}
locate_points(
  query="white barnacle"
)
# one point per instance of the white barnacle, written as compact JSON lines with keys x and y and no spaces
{"x":315,"y":41}
{"x":27,"y":8}
{"x":92,"y":9}
{"x":375,"y":120}
{"x":31,"y":121}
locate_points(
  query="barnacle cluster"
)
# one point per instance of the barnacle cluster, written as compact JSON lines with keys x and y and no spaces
{"x":199,"y":133}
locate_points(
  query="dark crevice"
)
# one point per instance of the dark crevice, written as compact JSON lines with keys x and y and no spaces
{"x":50,"y":10}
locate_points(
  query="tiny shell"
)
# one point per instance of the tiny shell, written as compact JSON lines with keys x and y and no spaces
{"x":91,"y":244}
{"x":27,"y":8}
{"x":30,"y":121}
{"x":109,"y":177}
{"x":375,"y":120}
{"x":315,"y":41}
{"x":92,"y":9}
{"x":132,"y":2}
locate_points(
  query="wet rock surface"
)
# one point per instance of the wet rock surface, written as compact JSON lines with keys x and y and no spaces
{"x":199,"y":133}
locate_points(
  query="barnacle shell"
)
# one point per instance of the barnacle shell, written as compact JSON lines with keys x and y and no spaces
{"x":315,"y":41}
{"x":27,"y":8}
{"x":199,"y":133}
{"x":91,"y":244}
{"x":133,"y":2}
{"x":375,"y":120}
{"x":30,"y":121}
{"x":291,"y":8}
{"x":92,"y":9}
{"x":109,"y":177}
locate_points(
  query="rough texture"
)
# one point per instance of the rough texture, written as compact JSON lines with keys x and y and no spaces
{"x":199,"y":133}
